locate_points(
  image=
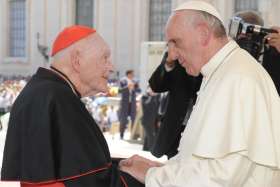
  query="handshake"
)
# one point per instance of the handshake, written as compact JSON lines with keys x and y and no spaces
{"x":138,"y":166}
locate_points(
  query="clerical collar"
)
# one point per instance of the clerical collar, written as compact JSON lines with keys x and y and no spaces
{"x":209,"y":69}
{"x":76,"y":92}
{"x":218,"y":58}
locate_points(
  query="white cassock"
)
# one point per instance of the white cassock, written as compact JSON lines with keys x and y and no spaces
{"x":233,"y":135}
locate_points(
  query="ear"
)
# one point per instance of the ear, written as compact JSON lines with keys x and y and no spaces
{"x":75,"y":57}
{"x":204,"y":34}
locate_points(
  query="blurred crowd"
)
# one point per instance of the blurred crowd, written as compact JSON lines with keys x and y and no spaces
{"x":10,"y":87}
{"x":104,"y":108}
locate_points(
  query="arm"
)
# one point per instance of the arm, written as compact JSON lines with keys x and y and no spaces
{"x":231,"y":170}
{"x":126,"y":85}
{"x":164,"y":75}
{"x":123,"y":85}
{"x":136,"y":87}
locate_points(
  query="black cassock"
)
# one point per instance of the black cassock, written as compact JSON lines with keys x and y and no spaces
{"x":271,"y":63}
{"x":52,"y":137}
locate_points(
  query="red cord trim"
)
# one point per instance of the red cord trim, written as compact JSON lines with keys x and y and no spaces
{"x":123,"y":181}
{"x":67,"y":178}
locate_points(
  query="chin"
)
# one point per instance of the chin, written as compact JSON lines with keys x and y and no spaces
{"x":192,"y":73}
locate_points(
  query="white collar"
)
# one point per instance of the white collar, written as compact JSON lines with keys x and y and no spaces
{"x":210,"y":67}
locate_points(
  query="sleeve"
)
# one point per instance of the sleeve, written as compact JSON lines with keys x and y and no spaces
{"x":200,"y":172}
{"x":161,"y":78}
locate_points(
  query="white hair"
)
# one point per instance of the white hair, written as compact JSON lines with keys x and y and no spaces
{"x":213,"y":22}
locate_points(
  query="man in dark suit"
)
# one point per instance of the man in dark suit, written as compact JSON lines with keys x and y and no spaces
{"x":128,"y":89}
{"x":271,"y":62}
{"x":150,"y":106}
{"x":172,"y":77}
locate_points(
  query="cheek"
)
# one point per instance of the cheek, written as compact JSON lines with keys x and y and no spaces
{"x":88,"y":74}
{"x":183,"y":49}
{"x":187,"y":48}
{"x":99,"y":71}
{"x":182,"y":55}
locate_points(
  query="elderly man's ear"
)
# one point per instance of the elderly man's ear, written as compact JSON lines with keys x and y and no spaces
{"x":204,"y":34}
{"x":75,"y":59}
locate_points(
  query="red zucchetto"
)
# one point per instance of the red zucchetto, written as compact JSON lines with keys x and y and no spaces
{"x":69,"y":36}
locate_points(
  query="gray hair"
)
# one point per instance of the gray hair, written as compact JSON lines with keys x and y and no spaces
{"x":213,"y":22}
{"x":251,"y":17}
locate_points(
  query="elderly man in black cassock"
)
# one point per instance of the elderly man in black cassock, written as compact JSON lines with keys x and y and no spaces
{"x":52,"y":140}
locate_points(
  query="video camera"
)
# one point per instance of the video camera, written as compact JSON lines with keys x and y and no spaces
{"x":249,"y":36}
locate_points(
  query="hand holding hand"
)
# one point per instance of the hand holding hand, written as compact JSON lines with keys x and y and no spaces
{"x":138,"y":166}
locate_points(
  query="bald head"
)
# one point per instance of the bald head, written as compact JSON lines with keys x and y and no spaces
{"x":251,"y":17}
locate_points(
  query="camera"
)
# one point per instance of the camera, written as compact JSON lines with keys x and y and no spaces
{"x":249,"y":36}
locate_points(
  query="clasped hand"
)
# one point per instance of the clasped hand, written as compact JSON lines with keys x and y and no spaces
{"x":138,"y":166}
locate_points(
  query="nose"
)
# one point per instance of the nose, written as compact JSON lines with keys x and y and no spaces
{"x":110,"y":66}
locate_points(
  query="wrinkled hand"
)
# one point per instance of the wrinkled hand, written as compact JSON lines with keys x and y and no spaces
{"x":138,"y":166}
{"x":274,"y":38}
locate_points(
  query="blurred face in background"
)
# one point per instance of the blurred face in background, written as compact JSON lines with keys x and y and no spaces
{"x":130,"y":75}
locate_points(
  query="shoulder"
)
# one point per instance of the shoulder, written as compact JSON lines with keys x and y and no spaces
{"x":242,"y":65}
{"x":244,"y":75}
{"x":44,"y":92}
{"x":123,"y":80}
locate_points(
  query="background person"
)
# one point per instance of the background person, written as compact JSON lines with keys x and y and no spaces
{"x":128,"y":89}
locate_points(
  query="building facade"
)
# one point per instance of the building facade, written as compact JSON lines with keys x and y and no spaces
{"x":28,"y":27}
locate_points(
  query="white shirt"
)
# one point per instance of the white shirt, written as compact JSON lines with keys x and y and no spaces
{"x":232,"y":136}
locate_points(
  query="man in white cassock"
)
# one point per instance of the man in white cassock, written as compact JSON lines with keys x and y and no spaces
{"x":232,"y":138}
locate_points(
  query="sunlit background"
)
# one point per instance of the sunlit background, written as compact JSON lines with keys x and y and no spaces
{"x":28,"y":27}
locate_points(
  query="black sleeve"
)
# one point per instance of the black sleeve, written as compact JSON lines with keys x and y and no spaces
{"x":161,"y":80}
{"x":271,"y":62}
{"x":109,"y":178}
